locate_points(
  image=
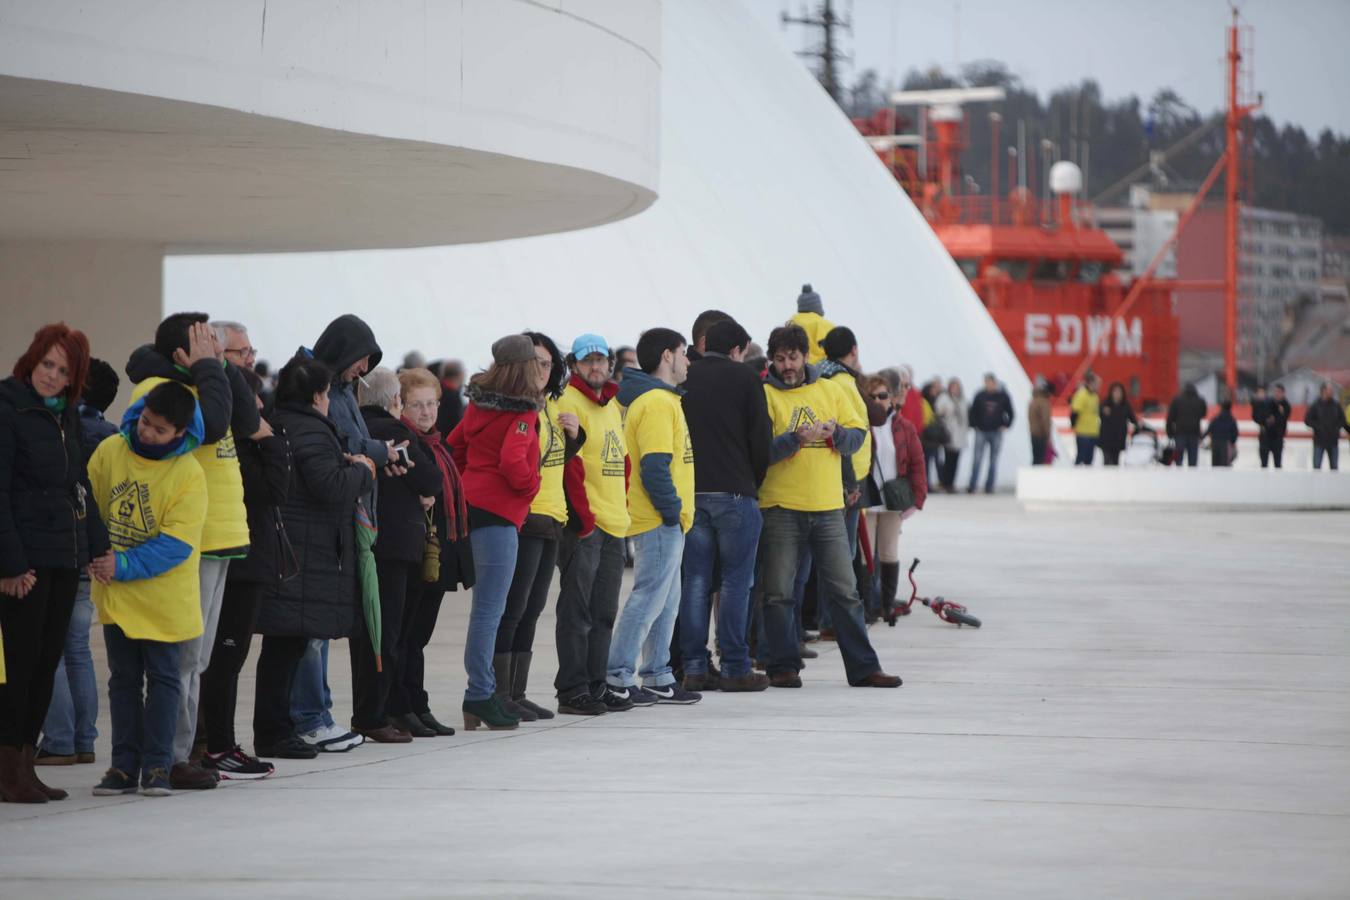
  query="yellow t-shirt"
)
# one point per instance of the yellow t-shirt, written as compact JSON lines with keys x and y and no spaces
{"x":603,"y":455}
{"x":227,"y":525}
{"x":862,"y":460}
{"x":816,"y":327}
{"x":139,"y":499}
{"x":807,"y":481}
{"x":551,"y":501}
{"x":1087,"y":405}
{"x":656,"y":424}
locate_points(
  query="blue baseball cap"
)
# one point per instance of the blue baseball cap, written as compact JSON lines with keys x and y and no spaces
{"x":587,"y":344}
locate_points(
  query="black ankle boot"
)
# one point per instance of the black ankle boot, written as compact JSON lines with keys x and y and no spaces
{"x":890,"y":583}
{"x":520,"y":677}
{"x":501,"y":665}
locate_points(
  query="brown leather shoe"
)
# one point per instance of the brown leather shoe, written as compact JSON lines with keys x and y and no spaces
{"x":785,"y":680}
{"x":84,"y":759}
{"x":827,"y":634}
{"x":385,"y":734}
{"x":878,"y":679}
{"x":184,"y":776}
{"x":44,"y":758}
{"x":750,"y":681}
{"x":704,"y":682}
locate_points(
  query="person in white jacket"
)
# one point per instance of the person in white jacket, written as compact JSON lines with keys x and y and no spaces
{"x":952,"y":410}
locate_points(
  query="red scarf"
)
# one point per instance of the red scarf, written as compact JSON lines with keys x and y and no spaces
{"x":456,"y":509}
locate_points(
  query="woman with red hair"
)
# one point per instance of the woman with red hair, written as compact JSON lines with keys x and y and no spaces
{"x":49,"y":530}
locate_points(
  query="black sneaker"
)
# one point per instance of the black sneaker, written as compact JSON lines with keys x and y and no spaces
{"x":290,"y":747}
{"x":582,"y":704}
{"x":617,"y":701}
{"x":673,"y":693}
{"x":639,"y":696}
{"x":236,"y":765}
{"x":115,"y":782}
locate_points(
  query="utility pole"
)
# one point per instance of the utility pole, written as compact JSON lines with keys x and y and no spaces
{"x":1239,"y":110}
{"x":827,"y":53}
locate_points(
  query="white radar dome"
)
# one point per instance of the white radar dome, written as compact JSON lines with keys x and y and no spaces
{"x":1066,"y":178}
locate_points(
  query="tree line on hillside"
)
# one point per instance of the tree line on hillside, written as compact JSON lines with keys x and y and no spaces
{"x":1287,"y":170}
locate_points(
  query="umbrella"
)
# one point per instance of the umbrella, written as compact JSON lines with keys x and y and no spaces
{"x":370,"y":583}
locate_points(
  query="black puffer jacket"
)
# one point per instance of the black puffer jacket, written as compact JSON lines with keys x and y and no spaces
{"x":266,"y":469}
{"x":1116,"y":421}
{"x":1326,"y":418}
{"x":1186,"y":414}
{"x":48,"y":518}
{"x":403,"y":524}
{"x":319,"y":514}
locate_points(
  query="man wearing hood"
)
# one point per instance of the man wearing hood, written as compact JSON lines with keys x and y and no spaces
{"x":815,"y":424}
{"x":348,"y":347}
{"x":591,"y":556}
{"x":1185,"y":423}
{"x":661,"y":506}
{"x":187,"y":352}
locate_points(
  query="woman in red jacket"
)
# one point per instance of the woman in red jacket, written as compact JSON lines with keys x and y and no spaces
{"x":898,"y":454}
{"x":496,"y":447}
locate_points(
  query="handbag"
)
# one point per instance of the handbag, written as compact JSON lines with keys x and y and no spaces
{"x":288,"y":564}
{"x":897,"y":495}
{"x":431,"y":553}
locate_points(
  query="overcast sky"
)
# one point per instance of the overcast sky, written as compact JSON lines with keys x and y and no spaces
{"x":1301,"y":59}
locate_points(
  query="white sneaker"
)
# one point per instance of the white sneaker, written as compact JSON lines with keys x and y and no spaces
{"x":332,"y":739}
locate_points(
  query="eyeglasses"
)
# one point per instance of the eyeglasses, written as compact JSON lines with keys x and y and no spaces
{"x":882,"y":396}
{"x":246,"y":352}
{"x":423,"y":404}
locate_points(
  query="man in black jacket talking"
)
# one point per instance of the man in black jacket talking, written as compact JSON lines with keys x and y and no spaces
{"x":730,"y":431}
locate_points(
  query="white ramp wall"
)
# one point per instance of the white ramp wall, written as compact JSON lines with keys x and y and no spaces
{"x":764,"y":185}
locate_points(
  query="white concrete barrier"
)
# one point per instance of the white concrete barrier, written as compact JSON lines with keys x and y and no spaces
{"x":1182,"y":487}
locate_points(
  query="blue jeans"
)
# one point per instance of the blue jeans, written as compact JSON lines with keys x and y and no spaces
{"x":1333,"y":454}
{"x":1188,"y":446}
{"x":786,"y":533}
{"x":726,"y":530}
{"x":311,"y":700}
{"x":142,"y":724}
{"x":1087,"y":449}
{"x":71,"y":718}
{"x":648,"y":618}
{"x":992,"y":440}
{"x":494,"y":564}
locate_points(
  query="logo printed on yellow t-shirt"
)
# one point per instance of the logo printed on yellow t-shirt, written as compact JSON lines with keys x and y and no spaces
{"x":805,"y":416}
{"x":556,"y":451}
{"x":688,"y":447}
{"x":611,"y":456}
{"x":132,"y":519}
{"x":225,"y":448}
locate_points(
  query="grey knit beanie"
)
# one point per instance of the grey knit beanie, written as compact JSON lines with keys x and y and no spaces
{"x":809,"y":301}
{"x":513,"y":348}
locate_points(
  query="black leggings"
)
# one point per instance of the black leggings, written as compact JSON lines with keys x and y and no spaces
{"x":34,"y":629}
{"x":220,"y":681}
{"x":950,"y":458}
{"x":418,"y":626}
{"x":535,"y":559}
{"x":277,"y":662}
{"x":375,"y":694}
{"x":1110,"y":457}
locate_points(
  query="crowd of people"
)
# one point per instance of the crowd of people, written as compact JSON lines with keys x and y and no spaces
{"x":761,"y":494}
{"x":1108,"y":423}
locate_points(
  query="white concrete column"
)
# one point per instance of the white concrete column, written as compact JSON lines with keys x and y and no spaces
{"x":110,"y":290}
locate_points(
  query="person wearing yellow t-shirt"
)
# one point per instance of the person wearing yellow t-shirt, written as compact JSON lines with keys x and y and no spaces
{"x":661,"y":507}
{"x":814,"y":425}
{"x":1084,"y":409}
{"x":811,"y":318}
{"x":151,"y":492}
{"x":591,"y":554}
{"x":560,"y":438}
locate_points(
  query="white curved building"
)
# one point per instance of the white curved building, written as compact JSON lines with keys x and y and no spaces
{"x":764,"y":185}
{"x":276,"y":125}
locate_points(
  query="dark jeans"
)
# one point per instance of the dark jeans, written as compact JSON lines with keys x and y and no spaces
{"x":143,"y":692}
{"x":947,"y":476}
{"x":400,"y":585}
{"x":726,"y":530}
{"x":1332,"y":451}
{"x":1271,"y":448}
{"x":1110,"y":456}
{"x":1039,"y":446}
{"x":418,"y":626}
{"x":1087,"y":446}
{"x":535,"y":558}
{"x":34,"y":630}
{"x":932,"y":463}
{"x":277,"y":663}
{"x":220,"y":681}
{"x":591,"y":574}
{"x":1188,"y":446}
{"x":786,"y":534}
